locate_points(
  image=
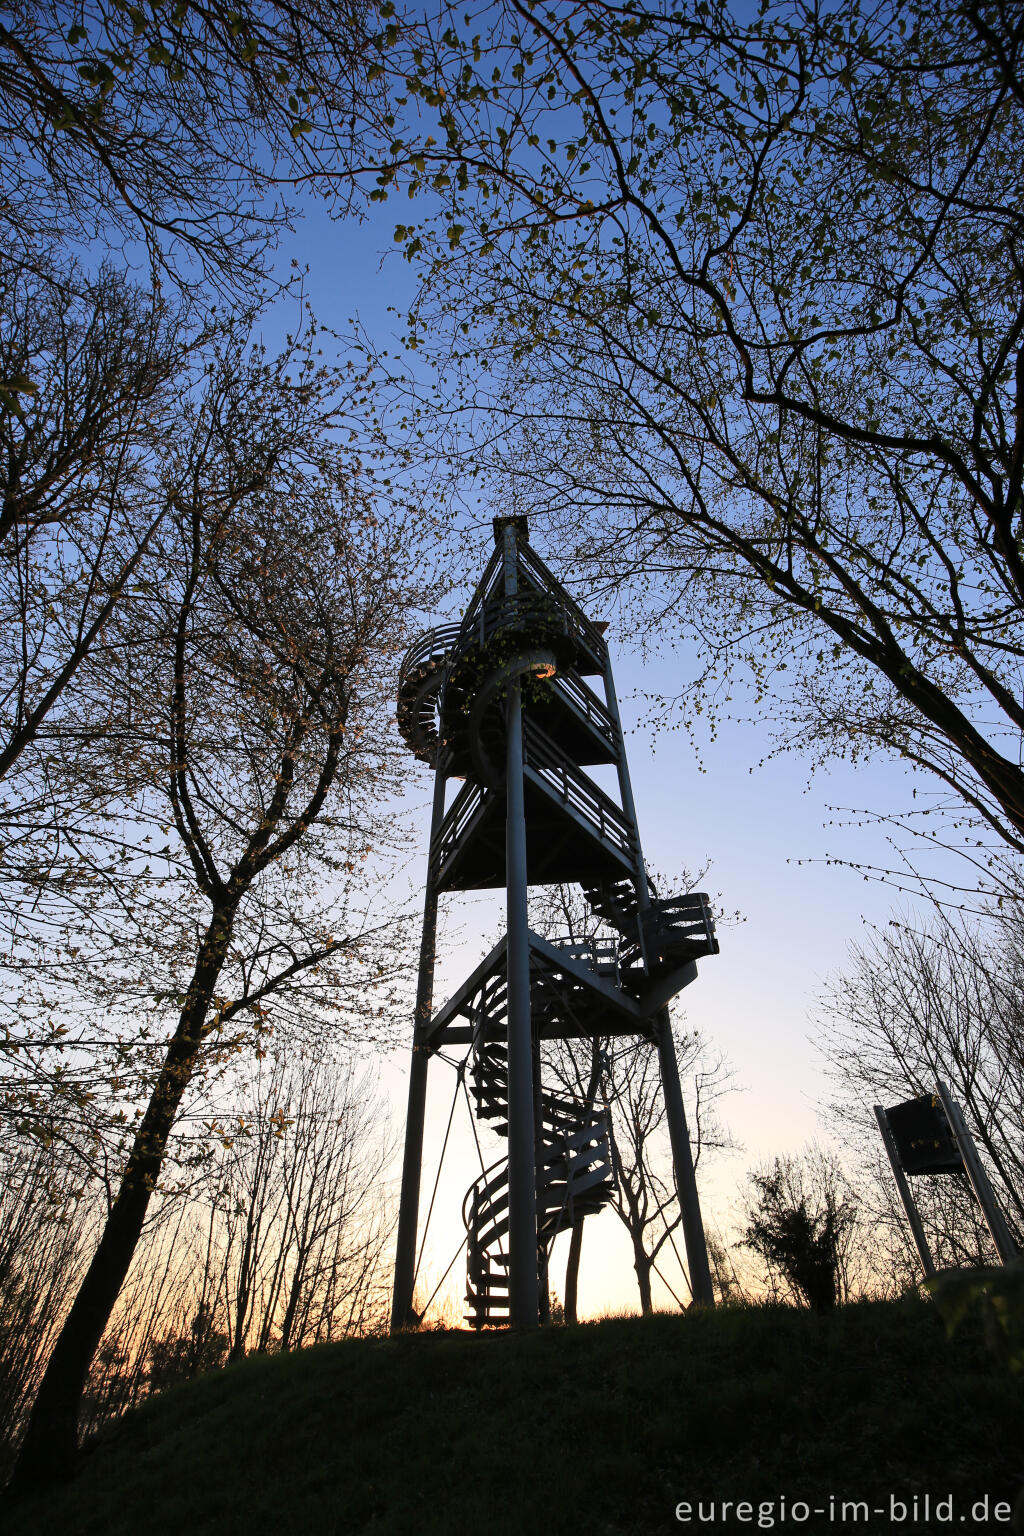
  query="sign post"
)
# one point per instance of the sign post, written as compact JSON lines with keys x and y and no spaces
{"x":929,"y":1135}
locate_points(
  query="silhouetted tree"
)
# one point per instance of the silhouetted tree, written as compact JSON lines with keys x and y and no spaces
{"x":644,"y":1198}
{"x":43,"y":1226}
{"x":938,"y":998}
{"x":96,"y":372}
{"x":800,"y":1223}
{"x":741,"y":299}
{"x":169,"y":125}
{"x":179,"y":1357}
{"x":251,"y":689}
{"x":300,"y":1202}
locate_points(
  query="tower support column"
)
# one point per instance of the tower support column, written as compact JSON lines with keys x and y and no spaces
{"x":682,"y":1158}
{"x":675,"y":1113}
{"x":522,"y":1175}
{"x":402,"y":1315}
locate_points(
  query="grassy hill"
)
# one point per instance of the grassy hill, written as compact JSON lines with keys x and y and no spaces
{"x":597,"y":1429}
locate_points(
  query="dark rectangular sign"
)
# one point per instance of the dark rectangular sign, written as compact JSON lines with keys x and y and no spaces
{"x":924,"y":1141}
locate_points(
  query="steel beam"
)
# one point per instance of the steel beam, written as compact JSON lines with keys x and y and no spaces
{"x":543,"y":1284}
{"x":986,"y":1196}
{"x":643,"y":895}
{"x":522,"y":1164}
{"x":682,"y":1158}
{"x":522,"y":1202}
{"x":402,"y":1315}
{"x":909,"y":1203}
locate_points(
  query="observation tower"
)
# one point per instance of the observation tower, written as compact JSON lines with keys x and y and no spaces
{"x":507,"y":701}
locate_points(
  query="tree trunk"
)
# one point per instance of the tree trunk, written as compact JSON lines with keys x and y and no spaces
{"x":49,"y":1449}
{"x":642,"y":1265}
{"x":294,"y":1296}
{"x":572,"y":1269}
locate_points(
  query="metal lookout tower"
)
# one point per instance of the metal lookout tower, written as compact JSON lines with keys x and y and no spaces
{"x":503,"y":702}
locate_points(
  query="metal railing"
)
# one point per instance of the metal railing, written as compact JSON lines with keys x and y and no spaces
{"x":524,"y":610}
{"x":539,"y":595}
{"x":538,"y":575}
{"x":676,"y":929}
{"x":681,"y":920}
{"x":588,"y":704}
{"x":574,"y":1178}
{"x":561,"y":777}
{"x":480,"y":594}
{"x":460,"y":813}
{"x":599,"y":955}
{"x":432,"y":646}
{"x":571,"y":786}
{"x":420,"y":679}
{"x":490,"y":611}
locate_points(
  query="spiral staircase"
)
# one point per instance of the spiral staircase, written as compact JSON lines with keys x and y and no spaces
{"x":574,"y":1179}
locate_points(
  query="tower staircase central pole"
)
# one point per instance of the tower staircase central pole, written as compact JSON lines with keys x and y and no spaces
{"x":522,"y":1175}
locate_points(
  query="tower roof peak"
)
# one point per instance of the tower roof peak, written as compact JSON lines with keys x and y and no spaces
{"x":520,"y":522}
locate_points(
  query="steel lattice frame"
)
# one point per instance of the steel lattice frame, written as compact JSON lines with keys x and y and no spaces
{"x":501,"y":700}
